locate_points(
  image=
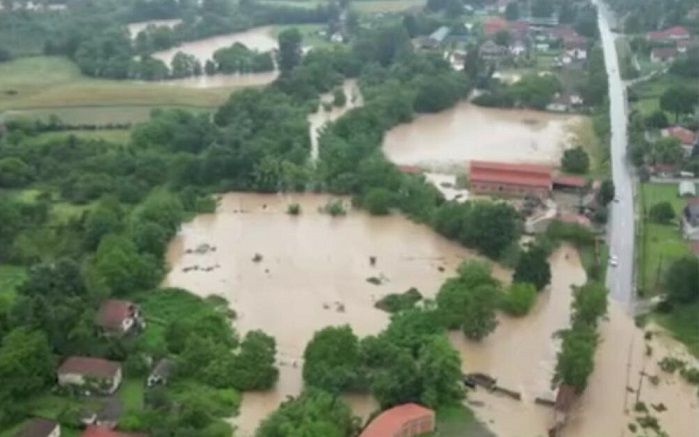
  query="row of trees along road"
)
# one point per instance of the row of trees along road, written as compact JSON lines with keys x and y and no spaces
{"x":105,"y":212}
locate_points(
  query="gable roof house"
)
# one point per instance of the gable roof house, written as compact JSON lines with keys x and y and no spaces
{"x":672,"y":34}
{"x":119,"y":316}
{"x":663,"y":54}
{"x":690,"y":219}
{"x":40,"y":427}
{"x":81,"y":371}
{"x":436,"y":38}
{"x":687,"y":137}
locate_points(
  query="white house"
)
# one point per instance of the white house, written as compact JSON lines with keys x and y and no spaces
{"x":78,"y":371}
{"x":40,"y":427}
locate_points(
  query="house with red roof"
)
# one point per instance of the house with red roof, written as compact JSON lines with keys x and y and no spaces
{"x":663,"y":54}
{"x":405,"y":420}
{"x":672,"y":34}
{"x":687,"y":137}
{"x":96,"y":431}
{"x":510,"y":179}
{"x":119,"y":316}
{"x":92,"y":373}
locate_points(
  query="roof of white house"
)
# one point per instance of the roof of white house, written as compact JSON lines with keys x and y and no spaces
{"x":687,"y":188}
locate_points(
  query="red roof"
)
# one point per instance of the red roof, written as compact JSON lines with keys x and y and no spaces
{"x":113,"y":312}
{"x":570,"y":181}
{"x":96,"y":431}
{"x":90,"y":366}
{"x":492,"y":25}
{"x":677,"y":32}
{"x":391,"y":421}
{"x":533,"y":175}
{"x":685,"y":135}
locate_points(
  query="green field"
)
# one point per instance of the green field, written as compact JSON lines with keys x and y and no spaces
{"x":658,"y":244}
{"x":649,"y":92}
{"x":131,"y":393}
{"x":44,"y":82}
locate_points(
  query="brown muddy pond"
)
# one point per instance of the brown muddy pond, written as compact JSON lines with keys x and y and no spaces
{"x":449,"y":139}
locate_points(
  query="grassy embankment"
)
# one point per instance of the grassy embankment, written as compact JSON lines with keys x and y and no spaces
{"x":657,"y":246}
{"x":53,"y":85}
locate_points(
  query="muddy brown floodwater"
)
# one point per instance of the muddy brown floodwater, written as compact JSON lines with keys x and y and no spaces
{"x":312,"y":274}
{"x":466,"y":132}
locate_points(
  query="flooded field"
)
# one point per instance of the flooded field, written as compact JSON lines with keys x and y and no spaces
{"x":230,"y":81}
{"x":466,"y":132}
{"x":321,"y":117}
{"x":312,"y":274}
{"x":258,"y":38}
{"x":136,"y":28}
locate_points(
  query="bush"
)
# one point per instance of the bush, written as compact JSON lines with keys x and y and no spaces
{"x":394,"y":302}
{"x":575,"y":160}
{"x":293,"y":209}
{"x":378,"y":201}
{"x":335,"y":208}
{"x":339,"y":97}
{"x":519,"y":299}
{"x":662,"y":212}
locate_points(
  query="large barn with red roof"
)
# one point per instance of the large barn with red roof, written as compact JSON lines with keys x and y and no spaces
{"x":510,"y":179}
{"x":405,"y":420}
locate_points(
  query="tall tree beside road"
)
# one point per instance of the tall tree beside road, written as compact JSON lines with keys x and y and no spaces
{"x":606,"y":192}
{"x":289,"y":49}
{"x":682,"y":280}
{"x":679,"y":100}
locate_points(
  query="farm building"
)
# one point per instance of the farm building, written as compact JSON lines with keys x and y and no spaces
{"x":405,"y":420}
{"x":510,"y":179}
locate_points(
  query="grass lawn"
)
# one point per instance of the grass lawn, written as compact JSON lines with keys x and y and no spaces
{"x":598,"y":151}
{"x":459,"y":421}
{"x":683,"y":323}
{"x":659,"y":244}
{"x":10,"y":278}
{"x":131,"y":393}
{"x":54,"y":82}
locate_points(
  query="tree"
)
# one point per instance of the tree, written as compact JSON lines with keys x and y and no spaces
{"x":313,"y":413}
{"x":331,"y":359}
{"x":520,"y":298}
{"x":398,"y":381}
{"x":339,"y":97}
{"x":533,"y":267}
{"x":122,"y":269}
{"x":503,"y":37}
{"x":14,"y":173}
{"x":657,"y":120}
{"x":589,"y":304}
{"x":454,"y":295}
{"x":575,"y":361}
{"x":681,"y":281}
{"x":662,"y":212}
{"x":606,"y":192}
{"x":679,"y":100}
{"x":480,"y":318}
{"x":26,"y":365}
{"x":542,"y":8}
{"x":440,"y":373}
{"x":575,"y":160}
{"x":668,"y":150}
{"x":254,"y":367}
{"x":378,"y":201}
{"x":289,"y":50}
{"x":512,"y":11}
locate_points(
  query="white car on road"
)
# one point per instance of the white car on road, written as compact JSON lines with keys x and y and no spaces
{"x":613,"y":260}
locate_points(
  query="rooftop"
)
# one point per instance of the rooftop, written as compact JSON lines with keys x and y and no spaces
{"x":683,"y":134}
{"x":672,"y":32}
{"x":90,"y":366}
{"x":38,"y":427}
{"x":392,"y":420}
{"x":664,"y":52}
{"x":570,"y":181}
{"x":533,"y":175}
{"x":113,"y":312}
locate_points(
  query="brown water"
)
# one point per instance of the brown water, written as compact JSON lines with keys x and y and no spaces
{"x":466,"y":132}
{"x":312,"y":274}
{"x":258,"y":38}
{"x":225,"y":80}
{"x":321,"y":117}
{"x":136,"y":28}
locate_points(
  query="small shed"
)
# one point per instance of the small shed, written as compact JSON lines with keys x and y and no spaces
{"x":687,"y":189}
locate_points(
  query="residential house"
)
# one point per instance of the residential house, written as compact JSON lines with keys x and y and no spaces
{"x":436,"y":39}
{"x":687,"y":137}
{"x":564,"y":102}
{"x":101,"y":375}
{"x":690,"y":219}
{"x":492,"y":52}
{"x":663,"y":54}
{"x":668,"y":35}
{"x":119,"y":316}
{"x":40,"y":427}
{"x":407,"y":420}
{"x":96,"y":431}
{"x":161,"y":372}
{"x":577,"y":50}
{"x":687,"y":189}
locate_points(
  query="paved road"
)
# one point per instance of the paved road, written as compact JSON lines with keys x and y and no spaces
{"x":621,"y":219}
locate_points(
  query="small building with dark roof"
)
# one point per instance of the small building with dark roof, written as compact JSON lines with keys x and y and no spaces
{"x":161,"y":372}
{"x":40,"y":427}
{"x":405,"y":420}
{"x":102,"y":375}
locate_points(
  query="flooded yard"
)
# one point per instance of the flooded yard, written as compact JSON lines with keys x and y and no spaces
{"x":447,"y":140}
{"x":321,"y":117}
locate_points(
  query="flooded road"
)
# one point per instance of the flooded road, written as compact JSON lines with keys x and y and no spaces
{"x":312,"y":274}
{"x":321,"y":117}
{"x":258,"y":38}
{"x":448,"y":139}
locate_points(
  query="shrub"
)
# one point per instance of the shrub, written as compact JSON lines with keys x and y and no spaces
{"x":519,"y":299}
{"x":662,"y":212}
{"x":394,"y":302}
{"x":339,"y":97}
{"x":575,"y":160}
{"x":293,"y":209}
{"x":335,"y":208}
